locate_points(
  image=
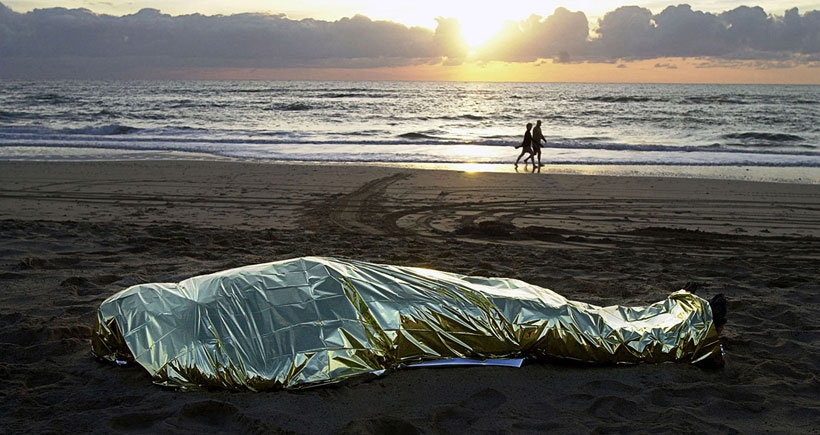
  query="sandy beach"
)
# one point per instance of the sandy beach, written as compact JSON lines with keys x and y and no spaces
{"x":72,"y":234}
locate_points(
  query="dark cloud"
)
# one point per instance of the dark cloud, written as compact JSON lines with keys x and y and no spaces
{"x":61,"y":42}
{"x":632,"y":32}
{"x":678,"y":31}
{"x":625,"y":32}
{"x":149,"y":39}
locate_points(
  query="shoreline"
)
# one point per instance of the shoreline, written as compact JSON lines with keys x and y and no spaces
{"x":774,"y":174}
{"x":73,"y":234}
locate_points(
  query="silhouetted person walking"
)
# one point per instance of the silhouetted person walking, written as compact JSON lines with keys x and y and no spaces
{"x":537,"y":137}
{"x":526,"y":146}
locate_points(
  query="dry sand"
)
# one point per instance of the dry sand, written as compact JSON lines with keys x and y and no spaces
{"x":72,"y":234}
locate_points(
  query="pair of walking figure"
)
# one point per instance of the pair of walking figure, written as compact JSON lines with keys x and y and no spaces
{"x":531,"y":144}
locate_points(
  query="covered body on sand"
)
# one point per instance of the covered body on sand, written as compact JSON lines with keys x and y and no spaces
{"x":314,"y":320}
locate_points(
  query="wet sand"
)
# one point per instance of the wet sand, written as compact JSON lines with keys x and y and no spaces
{"x":72,"y":234}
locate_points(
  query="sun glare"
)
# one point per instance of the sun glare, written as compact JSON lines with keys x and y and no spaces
{"x":477,"y":29}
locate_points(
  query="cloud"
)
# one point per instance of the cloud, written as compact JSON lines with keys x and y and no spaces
{"x":632,"y":33}
{"x":666,"y":66}
{"x":150,"y":39}
{"x":560,"y":36}
{"x":61,"y":42}
{"x":678,"y":31}
{"x":449,"y":40}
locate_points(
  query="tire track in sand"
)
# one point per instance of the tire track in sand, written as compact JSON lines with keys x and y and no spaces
{"x":363,"y":211}
{"x":380,"y":207}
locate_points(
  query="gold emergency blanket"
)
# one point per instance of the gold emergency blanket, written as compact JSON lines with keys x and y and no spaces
{"x":310,"y":321}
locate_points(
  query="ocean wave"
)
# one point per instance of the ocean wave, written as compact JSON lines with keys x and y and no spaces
{"x":622,"y":99}
{"x":345,"y":95}
{"x":594,"y":144}
{"x":754,"y":142}
{"x":340,"y":95}
{"x":107,"y":113}
{"x":426,"y":151}
{"x":291,"y":107}
{"x":52,"y":98}
{"x":11,"y":116}
{"x":158,"y":116}
{"x":104,"y":130}
{"x":271,"y":91}
{"x":417,"y":136}
{"x":171,"y":138}
{"x":715,"y":99}
{"x":758,"y":137}
{"x":194,"y":104}
{"x":471,"y":117}
{"x":354,"y":90}
{"x":369,"y":133}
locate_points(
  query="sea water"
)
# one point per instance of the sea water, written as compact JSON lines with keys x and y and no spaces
{"x":768,"y":131}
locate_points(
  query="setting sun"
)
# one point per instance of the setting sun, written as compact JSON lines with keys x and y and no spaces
{"x":477,"y":28}
{"x":478,"y":23}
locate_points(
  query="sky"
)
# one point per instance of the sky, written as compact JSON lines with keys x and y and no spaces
{"x":768,"y":41}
